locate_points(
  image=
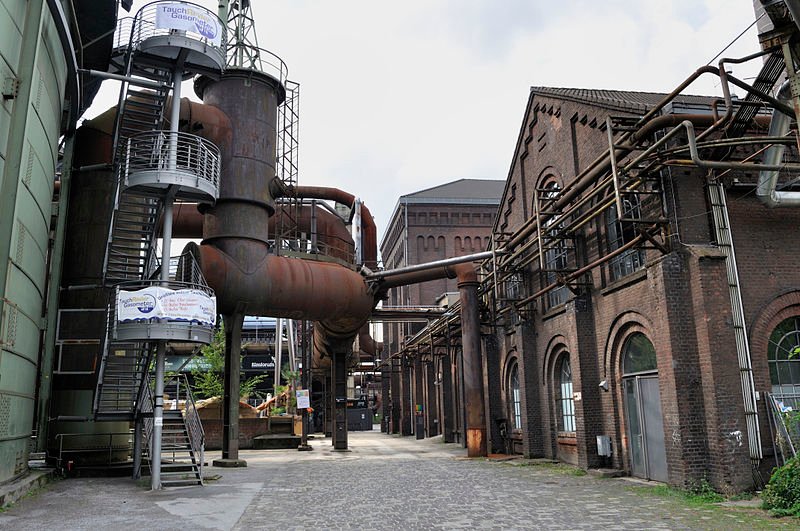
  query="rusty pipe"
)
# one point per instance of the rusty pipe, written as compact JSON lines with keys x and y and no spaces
{"x":471,"y":355}
{"x":187,"y":222}
{"x":369,"y":232}
{"x":334,"y":295}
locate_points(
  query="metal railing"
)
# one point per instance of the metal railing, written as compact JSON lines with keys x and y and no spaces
{"x":206,"y":28}
{"x":82,"y":445}
{"x":177,"y":386}
{"x":783,"y":407}
{"x":162,"y":150}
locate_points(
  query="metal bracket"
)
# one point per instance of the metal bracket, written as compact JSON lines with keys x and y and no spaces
{"x":10,"y":88}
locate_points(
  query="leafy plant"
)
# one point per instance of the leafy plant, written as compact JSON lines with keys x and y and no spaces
{"x":781,"y":496}
{"x":210,"y":380}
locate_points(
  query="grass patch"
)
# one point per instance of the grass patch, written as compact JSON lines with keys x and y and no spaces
{"x":699,"y":494}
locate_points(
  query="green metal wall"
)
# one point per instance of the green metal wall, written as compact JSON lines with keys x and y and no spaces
{"x":30,"y":124}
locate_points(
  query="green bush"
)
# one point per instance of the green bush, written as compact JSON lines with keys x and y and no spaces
{"x":781,"y":496}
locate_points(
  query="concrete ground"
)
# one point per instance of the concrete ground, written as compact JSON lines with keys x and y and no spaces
{"x":384,"y":482}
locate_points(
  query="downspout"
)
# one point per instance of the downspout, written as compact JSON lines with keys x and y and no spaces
{"x":773,"y":156}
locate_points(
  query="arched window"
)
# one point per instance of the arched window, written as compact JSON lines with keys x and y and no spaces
{"x":638,"y":355}
{"x":515,"y":398}
{"x":566,"y":403}
{"x":783,"y":354}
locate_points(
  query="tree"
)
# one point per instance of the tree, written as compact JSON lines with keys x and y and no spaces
{"x":209,"y":380}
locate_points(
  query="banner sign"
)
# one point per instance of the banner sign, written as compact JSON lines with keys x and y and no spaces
{"x":303,"y":399}
{"x":189,"y":18}
{"x":156,"y":302}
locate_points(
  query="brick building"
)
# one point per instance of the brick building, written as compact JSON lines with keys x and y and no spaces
{"x":642,"y":349}
{"x":452,"y":219}
{"x":642,"y":308}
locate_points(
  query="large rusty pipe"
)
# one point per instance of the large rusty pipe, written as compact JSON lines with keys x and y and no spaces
{"x":334,"y":295}
{"x":369,"y":232}
{"x":473,"y":367}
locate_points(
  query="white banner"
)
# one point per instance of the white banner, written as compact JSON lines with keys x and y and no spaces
{"x":303,"y":399}
{"x":189,"y":18}
{"x":161,"y":303}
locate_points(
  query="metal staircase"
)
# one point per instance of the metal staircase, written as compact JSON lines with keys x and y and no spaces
{"x":182,"y":452}
{"x":119,"y":384}
{"x":153,"y":169}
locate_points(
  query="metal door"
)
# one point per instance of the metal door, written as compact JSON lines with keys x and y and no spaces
{"x":645,"y":428}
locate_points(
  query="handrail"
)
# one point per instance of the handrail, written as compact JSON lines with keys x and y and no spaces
{"x":144,"y":26}
{"x":194,"y":427}
{"x":161,"y":150}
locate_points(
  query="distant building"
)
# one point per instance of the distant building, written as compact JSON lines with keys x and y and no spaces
{"x":449,"y":220}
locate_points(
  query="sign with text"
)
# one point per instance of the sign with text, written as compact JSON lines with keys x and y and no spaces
{"x":189,"y":18}
{"x":303,"y":399}
{"x":155,"y":302}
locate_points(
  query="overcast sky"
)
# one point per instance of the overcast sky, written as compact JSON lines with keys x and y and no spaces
{"x":404,"y":95}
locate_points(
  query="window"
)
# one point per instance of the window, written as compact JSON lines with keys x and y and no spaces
{"x":621,"y":232}
{"x":783,"y":353}
{"x":515,"y":399}
{"x":556,"y":255}
{"x":638,"y":355}
{"x":566,"y":402}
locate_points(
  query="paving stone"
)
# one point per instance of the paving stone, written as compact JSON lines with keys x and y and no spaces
{"x":385,"y":482}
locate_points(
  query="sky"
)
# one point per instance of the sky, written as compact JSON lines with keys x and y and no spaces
{"x":397,"y":96}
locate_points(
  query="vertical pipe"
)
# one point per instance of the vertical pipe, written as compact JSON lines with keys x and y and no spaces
{"x":174,"y":117}
{"x":278,"y":355}
{"x":314,"y":246}
{"x":473,"y":377}
{"x":292,"y":350}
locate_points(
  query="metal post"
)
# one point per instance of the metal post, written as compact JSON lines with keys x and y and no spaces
{"x":278,"y":355}
{"x":158,"y":418}
{"x":292,"y":349}
{"x":305,"y":352}
{"x":230,"y":402}
{"x":314,"y":245}
{"x":339,"y":369}
{"x":174,"y":117}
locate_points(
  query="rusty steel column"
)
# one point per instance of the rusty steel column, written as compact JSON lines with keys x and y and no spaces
{"x":448,"y":424}
{"x":396,"y":402}
{"x":405,"y":396}
{"x":419,"y":398}
{"x":473,"y":377}
{"x":339,"y":376}
{"x":230,"y":402}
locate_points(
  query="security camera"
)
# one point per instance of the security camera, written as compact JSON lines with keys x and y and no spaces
{"x":604,"y":385}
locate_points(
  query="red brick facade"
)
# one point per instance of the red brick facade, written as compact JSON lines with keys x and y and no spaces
{"x":679,"y":300}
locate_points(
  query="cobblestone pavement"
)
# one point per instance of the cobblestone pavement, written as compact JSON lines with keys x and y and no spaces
{"x":384,"y":482}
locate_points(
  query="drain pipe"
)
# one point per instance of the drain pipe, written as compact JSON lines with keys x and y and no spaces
{"x":768,"y":179}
